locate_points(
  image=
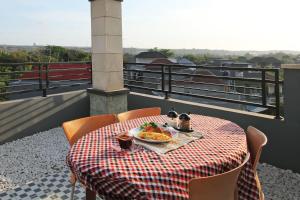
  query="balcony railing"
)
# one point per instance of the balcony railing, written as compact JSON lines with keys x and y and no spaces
{"x":173,"y":79}
{"x":22,"y":78}
{"x":235,"y":85}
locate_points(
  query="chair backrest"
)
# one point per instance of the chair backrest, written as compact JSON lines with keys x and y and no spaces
{"x":76,"y":129}
{"x":218,"y":187}
{"x":256,"y":140}
{"x":133,"y":114}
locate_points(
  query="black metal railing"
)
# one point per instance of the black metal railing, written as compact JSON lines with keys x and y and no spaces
{"x":155,"y":78}
{"x":30,"y":77}
{"x":164,"y":79}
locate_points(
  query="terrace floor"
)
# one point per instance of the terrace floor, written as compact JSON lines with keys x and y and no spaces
{"x":34,"y":168}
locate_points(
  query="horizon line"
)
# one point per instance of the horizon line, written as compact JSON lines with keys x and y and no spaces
{"x":79,"y":46}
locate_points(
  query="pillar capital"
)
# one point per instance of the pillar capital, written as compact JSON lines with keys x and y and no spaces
{"x":113,"y":0}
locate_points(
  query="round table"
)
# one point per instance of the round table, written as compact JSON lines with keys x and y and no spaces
{"x":147,"y":175}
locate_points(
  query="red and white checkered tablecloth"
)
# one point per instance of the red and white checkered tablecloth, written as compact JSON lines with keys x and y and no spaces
{"x":147,"y":175}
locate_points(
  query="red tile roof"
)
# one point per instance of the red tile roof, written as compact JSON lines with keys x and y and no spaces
{"x":206,"y":79}
{"x":59,"y":72}
{"x":163,"y":61}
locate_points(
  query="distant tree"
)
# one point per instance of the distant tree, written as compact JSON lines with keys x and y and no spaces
{"x":166,"y":52}
{"x":58,"y":52}
{"x":288,"y":59}
{"x":248,"y":56}
{"x":77,"y":55}
{"x":197,"y":59}
{"x":61,"y":54}
{"x":14,"y":57}
{"x":265,"y":61}
{"x":272,"y":61}
{"x":242,"y":59}
{"x":128,"y":58}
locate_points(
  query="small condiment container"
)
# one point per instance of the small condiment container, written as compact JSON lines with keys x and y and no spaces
{"x":184,"y":122}
{"x":125,"y":140}
{"x":172,"y":118}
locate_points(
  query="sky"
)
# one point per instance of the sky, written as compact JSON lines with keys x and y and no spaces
{"x":174,"y":24}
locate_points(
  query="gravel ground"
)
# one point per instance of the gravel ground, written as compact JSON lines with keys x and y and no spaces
{"x":44,"y":153}
{"x":31,"y":157}
{"x":278,"y":183}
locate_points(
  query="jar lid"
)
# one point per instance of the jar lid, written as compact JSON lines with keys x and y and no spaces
{"x":184,"y":116}
{"x":172,"y":114}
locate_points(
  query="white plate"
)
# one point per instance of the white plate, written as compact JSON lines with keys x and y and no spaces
{"x":135,"y":133}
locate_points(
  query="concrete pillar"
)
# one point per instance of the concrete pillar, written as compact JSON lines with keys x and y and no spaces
{"x":291,"y":93}
{"x":108,"y":94}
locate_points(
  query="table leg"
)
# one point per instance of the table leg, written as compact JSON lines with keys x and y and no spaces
{"x":90,"y":195}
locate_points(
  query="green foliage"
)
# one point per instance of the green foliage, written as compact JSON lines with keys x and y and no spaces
{"x":128,"y":58}
{"x":61,"y":54}
{"x":46,"y":54}
{"x":166,"y":52}
{"x":14,"y":57}
{"x":265,"y":61}
{"x":242,"y":59}
{"x":197,"y":59}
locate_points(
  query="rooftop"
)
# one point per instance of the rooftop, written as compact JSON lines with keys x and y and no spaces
{"x":151,"y":54}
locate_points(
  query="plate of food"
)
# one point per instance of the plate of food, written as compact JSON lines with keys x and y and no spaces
{"x":154,"y":133}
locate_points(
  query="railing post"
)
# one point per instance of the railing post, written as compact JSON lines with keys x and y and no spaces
{"x":170,"y":80}
{"x":263,"y":87}
{"x":163,"y":81}
{"x":47,"y":81}
{"x":91,"y":73}
{"x":277,"y":94}
{"x":40,"y":78}
{"x":13,"y":69}
{"x":44,"y":92}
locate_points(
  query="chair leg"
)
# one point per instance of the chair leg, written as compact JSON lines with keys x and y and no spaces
{"x":236,"y":193}
{"x":73,"y":181}
{"x":90,"y":195}
{"x":72,"y":192}
{"x":261,"y":194}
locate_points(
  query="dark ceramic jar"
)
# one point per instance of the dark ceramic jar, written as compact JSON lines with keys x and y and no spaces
{"x":172,"y":118}
{"x":184,"y":121}
{"x":125,"y":141}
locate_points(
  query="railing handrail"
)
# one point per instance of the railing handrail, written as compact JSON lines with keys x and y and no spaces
{"x":166,"y":77}
{"x":206,"y":76}
{"x":205,"y":67}
{"x":45,"y":63}
{"x":42,"y":76}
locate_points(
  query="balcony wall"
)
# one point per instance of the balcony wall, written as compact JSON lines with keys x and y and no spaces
{"x":25,"y":117}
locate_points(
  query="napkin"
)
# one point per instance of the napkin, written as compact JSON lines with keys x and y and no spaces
{"x":178,"y":141}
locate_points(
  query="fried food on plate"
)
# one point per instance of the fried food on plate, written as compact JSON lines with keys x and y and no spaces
{"x":153,"y":128}
{"x":154,"y":136}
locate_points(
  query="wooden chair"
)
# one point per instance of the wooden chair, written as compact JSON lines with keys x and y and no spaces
{"x":256,"y":140}
{"x":218,"y":187}
{"x":133,"y":114}
{"x":76,"y":129}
